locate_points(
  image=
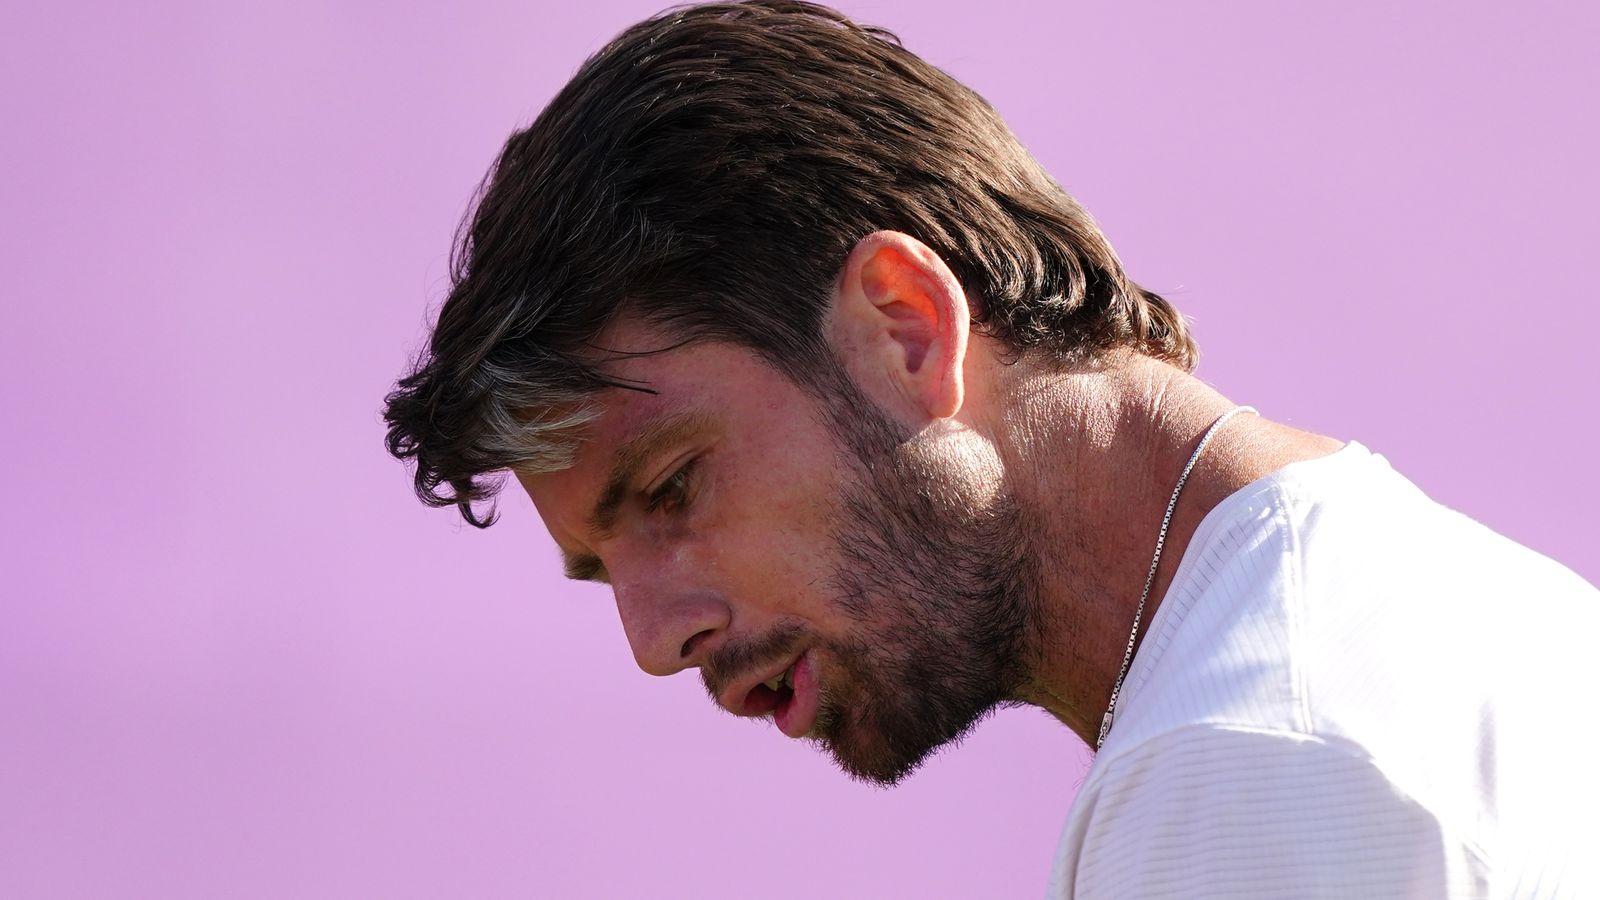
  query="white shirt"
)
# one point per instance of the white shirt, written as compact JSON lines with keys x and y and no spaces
{"x":1349,"y":691}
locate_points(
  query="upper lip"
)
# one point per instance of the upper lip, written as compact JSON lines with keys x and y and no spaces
{"x":732,"y":698}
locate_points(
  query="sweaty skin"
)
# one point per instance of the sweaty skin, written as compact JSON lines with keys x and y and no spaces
{"x":744,"y":526}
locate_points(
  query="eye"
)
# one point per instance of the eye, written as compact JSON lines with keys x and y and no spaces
{"x":673,"y":493}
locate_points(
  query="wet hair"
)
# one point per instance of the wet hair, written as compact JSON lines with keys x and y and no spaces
{"x":707,"y":172}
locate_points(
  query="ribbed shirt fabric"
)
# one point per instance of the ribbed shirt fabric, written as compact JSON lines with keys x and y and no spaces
{"x":1349,"y":691}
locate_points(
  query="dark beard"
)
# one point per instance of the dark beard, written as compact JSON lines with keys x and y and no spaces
{"x":946,"y":599}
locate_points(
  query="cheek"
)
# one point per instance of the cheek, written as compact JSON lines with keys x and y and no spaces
{"x":773,"y":534}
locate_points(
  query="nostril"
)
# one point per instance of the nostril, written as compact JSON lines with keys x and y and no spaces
{"x":688,"y":646}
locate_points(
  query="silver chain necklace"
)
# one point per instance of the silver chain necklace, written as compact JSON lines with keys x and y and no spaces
{"x":1150,"y":579}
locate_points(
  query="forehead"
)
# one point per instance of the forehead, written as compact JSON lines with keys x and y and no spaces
{"x":712,"y":385}
{"x":675,"y":378}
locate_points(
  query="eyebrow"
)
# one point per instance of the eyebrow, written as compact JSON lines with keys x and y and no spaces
{"x":636,"y":451}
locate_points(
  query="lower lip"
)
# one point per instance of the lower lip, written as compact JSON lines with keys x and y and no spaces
{"x":796,"y":715}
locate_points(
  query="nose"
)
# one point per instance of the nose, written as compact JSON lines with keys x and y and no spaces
{"x":670,"y":629}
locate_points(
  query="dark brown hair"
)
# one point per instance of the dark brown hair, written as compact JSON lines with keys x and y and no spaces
{"x":708,"y":171}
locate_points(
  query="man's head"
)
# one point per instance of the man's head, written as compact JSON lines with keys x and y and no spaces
{"x":713,"y":310}
{"x":750,"y":529}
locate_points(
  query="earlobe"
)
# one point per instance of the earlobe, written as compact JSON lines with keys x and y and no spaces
{"x":900,"y":322}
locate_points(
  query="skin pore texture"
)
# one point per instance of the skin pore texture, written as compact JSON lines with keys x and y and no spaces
{"x":934,"y":530}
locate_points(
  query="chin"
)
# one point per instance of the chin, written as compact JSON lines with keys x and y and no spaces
{"x":870,"y":755}
{"x":876,"y":769}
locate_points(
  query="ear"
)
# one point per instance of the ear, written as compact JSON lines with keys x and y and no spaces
{"x":899,"y":323}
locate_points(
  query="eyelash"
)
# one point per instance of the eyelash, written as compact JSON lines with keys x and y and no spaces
{"x":674,"y":490}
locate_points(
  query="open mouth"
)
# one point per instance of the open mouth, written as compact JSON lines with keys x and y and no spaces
{"x":790,"y":697}
{"x":770,"y":695}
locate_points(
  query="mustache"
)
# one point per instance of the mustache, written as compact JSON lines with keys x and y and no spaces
{"x":735,"y":659}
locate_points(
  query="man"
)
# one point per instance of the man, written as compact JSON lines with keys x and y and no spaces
{"x":792,"y":344}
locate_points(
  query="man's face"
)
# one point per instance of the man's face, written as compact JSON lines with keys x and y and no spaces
{"x":804,"y":555}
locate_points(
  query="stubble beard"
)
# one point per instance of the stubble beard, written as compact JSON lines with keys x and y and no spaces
{"x":945,"y":600}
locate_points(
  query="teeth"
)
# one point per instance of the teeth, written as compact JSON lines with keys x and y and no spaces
{"x":780,"y":681}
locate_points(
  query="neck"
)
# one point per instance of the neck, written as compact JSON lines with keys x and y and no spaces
{"x":1094,"y":456}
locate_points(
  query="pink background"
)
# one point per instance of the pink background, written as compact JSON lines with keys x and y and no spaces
{"x":238,"y":660}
